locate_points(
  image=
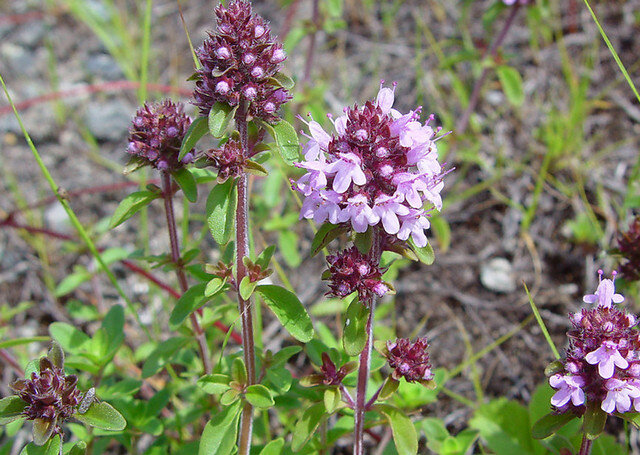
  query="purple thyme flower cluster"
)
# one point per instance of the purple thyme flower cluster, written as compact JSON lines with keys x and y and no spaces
{"x":380,"y":166}
{"x":513,"y":2}
{"x":409,"y":360}
{"x":602,"y":364}
{"x":239,"y":62}
{"x":228,"y":160}
{"x":629,"y":247}
{"x":50,"y":394}
{"x":350,"y":271}
{"x":156,"y":135}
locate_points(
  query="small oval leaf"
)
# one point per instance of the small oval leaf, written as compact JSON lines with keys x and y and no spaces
{"x":219,"y":117}
{"x":289,"y":311}
{"x":259,"y":396}
{"x":198,"y":128}
{"x":102,"y":415}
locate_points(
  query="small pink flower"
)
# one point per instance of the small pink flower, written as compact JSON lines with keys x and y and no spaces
{"x":414,"y":225}
{"x":605,"y":293}
{"x":321,"y":205}
{"x":388,"y":208}
{"x":606,"y":356}
{"x":619,"y":395}
{"x":346,"y":169}
{"x":359,"y":212}
{"x":570,"y":388}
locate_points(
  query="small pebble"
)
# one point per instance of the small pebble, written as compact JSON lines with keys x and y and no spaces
{"x":497,"y":275}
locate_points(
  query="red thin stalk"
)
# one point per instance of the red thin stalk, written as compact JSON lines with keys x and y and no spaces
{"x":493,"y":50}
{"x":585,"y":447}
{"x":244,"y":306}
{"x":130,"y":265}
{"x":201,"y":338}
{"x":315,"y":20}
{"x":16,"y":19}
{"x":113,"y":86}
{"x":8,"y":358}
{"x":365,"y":358}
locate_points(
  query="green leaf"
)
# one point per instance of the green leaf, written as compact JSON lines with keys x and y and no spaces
{"x":103,"y":416}
{"x":221,"y":208}
{"x":219,"y":117}
{"x":51,"y":446}
{"x":72,"y":281}
{"x":289,"y":311}
{"x":130,"y":205}
{"x":307,"y":425}
{"x":425,"y":254}
{"x":404,"y":433}
{"x":214,"y":287}
{"x":21,"y":341}
{"x":265,"y":257}
{"x":11,"y":409}
{"x":550,"y":423}
{"x":239,"y":371}
{"x":42,"y":431}
{"x":286,"y":140}
{"x":594,"y":420}
{"x":389,"y":388}
{"x":113,"y":324}
{"x":219,"y":435}
{"x":79,"y":448}
{"x":332,"y":399}
{"x":247,"y":287}
{"x":254,"y":168}
{"x":259,"y":396}
{"x":135,"y":163}
{"x":70,"y":338}
{"x":354,"y":335}
{"x":162,"y":355}
{"x":363,"y":241}
{"x":187,"y":182}
{"x":511,"y":84}
{"x":56,"y":355}
{"x":442,"y":231}
{"x":325,"y":235}
{"x":288,"y":244}
{"x":283,"y":80}
{"x":273,"y":448}
{"x":189,"y":302}
{"x":214,"y":383}
{"x":198,"y":128}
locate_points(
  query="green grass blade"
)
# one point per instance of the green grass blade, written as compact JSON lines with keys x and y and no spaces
{"x":70,"y":213}
{"x":146,"y":43}
{"x":541,"y":323}
{"x":613,"y":51}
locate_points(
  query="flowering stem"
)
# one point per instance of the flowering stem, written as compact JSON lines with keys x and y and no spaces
{"x":167,"y":195}
{"x":244,"y":306}
{"x":365,"y":357}
{"x":493,"y":50}
{"x":585,"y":447}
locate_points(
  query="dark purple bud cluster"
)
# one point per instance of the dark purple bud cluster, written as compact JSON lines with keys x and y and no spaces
{"x":239,"y":62}
{"x":157,"y":133}
{"x":50,"y":395}
{"x":409,"y":360}
{"x":629,"y":246}
{"x":331,"y":375}
{"x":602,"y":363}
{"x":350,"y":271}
{"x":228,"y":160}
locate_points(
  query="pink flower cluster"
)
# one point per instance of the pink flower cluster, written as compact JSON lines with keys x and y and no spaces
{"x":380,"y":166}
{"x":156,"y":134}
{"x":409,"y":359}
{"x":239,"y":62}
{"x":603,"y":359}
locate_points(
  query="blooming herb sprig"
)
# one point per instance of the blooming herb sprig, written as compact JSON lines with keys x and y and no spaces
{"x":50,"y":397}
{"x":240,"y":62}
{"x":380,"y":167}
{"x":600,"y":374}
